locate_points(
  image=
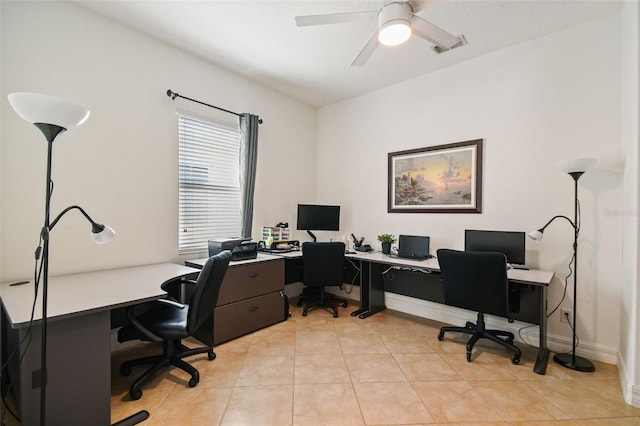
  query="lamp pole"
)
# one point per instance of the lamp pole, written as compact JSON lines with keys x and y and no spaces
{"x":50,"y":131}
{"x":571,"y":360}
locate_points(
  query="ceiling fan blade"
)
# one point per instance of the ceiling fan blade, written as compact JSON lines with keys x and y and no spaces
{"x":334,"y":18}
{"x":431,"y":33}
{"x":366,"y":51}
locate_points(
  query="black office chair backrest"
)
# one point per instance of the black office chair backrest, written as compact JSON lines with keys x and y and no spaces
{"x":475,"y":280}
{"x":322,"y":264}
{"x":205,"y":296}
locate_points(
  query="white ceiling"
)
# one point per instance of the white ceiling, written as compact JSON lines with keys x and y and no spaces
{"x":260,"y":40}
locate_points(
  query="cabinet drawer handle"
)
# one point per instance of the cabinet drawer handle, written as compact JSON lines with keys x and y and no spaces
{"x":253,"y":274}
{"x":253,"y":309}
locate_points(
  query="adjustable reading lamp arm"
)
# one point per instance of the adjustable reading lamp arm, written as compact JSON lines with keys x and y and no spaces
{"x":573,"y":225}
{"x":95,"y":227}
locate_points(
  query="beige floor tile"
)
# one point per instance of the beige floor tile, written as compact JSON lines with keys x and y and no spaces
{"x":425,"y":367}
{"x":260,"y":405}
{"x":312,"y":343}
{"x":391,"y":403}
{"x":364,"y":344}
{"x":531,"y":405}
{"x":326,"y":404}
{"x":320,"y":369}
{"x":374,"y":368}
{"x":266,"y":370}
{"x":192,"y":406}
{"x":455,"y":401}
{"x":408,"y":343}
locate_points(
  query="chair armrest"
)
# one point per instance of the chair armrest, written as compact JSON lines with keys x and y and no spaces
{"x":179,"y":289}
{"x":144,"y":330}
{"x":172,"y":303}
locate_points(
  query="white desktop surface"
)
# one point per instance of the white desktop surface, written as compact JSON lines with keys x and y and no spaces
{"x":529,"y":276}
{"x":532,"y":276}
{"x":76,"y":294}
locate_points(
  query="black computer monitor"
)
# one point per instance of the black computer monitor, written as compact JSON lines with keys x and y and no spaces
{"x":512,"y":244}
{"x":315,"y":217}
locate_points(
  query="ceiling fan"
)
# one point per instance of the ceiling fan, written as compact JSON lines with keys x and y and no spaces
{"x":397,"y":20}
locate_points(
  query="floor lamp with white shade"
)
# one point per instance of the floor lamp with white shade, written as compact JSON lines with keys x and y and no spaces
{"x":52,"y":116}
{"x":575,"y":168}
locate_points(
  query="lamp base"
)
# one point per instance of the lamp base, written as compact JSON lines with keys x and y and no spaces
{"x":574,"y":362}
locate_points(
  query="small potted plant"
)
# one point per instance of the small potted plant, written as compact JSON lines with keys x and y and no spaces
{"x":386,"y":240}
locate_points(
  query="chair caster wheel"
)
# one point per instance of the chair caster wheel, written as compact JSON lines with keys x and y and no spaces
{"x":212,"y":356}
{"x":298,"y":303}
{"x":335,"y":315}
{"x":345,"y":304}
{"x":515,"y":360}
{"x":468,"y":356}
{"x":193,"y":382}
{"x":441,"y":336}
{"x":135,"y":394}
{"x":125,"y":371}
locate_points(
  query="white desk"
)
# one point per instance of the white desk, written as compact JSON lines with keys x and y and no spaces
{"x":78,"y":339}
{"x":372,"y":288}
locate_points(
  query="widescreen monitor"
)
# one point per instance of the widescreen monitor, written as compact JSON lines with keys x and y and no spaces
{"x":512,"y":244}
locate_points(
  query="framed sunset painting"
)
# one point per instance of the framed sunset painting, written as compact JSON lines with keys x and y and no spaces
{"x":436,"y":179}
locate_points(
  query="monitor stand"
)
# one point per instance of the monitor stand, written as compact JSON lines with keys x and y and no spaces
{"x":312,"y":236}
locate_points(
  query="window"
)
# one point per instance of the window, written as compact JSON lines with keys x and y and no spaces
{"x":209,"y":182}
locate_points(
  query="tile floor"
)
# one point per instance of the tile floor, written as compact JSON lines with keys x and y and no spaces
{"x":387,"y":369}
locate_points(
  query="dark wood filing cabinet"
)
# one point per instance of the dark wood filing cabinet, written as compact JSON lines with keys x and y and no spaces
{"x":251,"y":298}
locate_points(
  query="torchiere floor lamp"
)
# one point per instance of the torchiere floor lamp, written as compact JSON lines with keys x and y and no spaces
{"x":575,"y":168}
{"x":52,"y":116}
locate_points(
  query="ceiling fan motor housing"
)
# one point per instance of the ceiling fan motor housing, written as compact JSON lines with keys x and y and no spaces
{"x":394,"y":16}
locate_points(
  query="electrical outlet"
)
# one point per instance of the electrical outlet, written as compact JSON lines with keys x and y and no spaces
{"x":565,"y":315}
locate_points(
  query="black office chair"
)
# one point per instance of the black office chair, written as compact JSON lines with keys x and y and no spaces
{"x":478,"y":281}
{"x":169,"y":321}
{"x":323,"y":265}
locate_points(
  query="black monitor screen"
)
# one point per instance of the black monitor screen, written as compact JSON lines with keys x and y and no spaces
{"x":313,"y":217}
{"x":512,"y":244}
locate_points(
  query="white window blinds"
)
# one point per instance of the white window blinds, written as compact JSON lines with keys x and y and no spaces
{"x":209,"y":181}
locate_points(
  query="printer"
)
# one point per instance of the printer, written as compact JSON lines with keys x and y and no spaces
{"x":241,"y":248}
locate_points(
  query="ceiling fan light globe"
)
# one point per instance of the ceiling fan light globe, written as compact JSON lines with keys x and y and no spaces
{"x":394,"y":33}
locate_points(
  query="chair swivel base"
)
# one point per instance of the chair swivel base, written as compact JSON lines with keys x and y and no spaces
{"x":326,"y":300}
{"x":173,"y":355}
{"x":574,"y":362}
{"x":478,"y":331}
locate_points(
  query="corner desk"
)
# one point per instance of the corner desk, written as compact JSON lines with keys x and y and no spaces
{"x":373,"y":284}
{"x":78,"y":339}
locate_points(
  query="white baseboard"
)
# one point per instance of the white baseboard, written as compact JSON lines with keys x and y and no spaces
{"x":630,"y":391}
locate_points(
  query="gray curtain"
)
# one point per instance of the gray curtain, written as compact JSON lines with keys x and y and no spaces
{"x":248,"y":160}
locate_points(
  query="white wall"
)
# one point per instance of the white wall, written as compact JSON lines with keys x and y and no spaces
{"x":552,"y":98}
{"x":121,"y":165}
{"x":629,"y":356}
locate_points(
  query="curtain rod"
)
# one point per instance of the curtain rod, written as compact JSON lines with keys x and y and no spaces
{"x":173,"y":95}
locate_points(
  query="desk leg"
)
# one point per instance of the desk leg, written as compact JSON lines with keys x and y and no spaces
{"x":543,"y":352}
{"x":364,"y":289}
{"x":374,"y":292}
